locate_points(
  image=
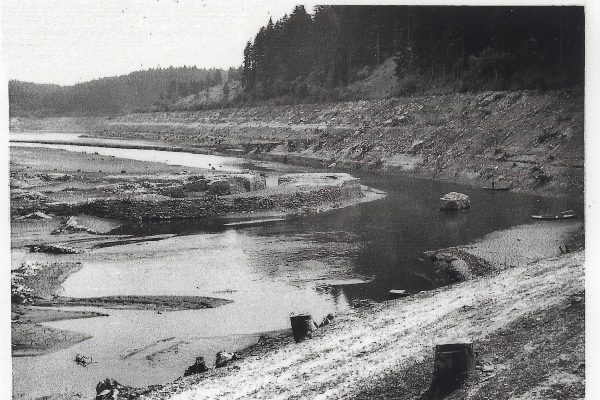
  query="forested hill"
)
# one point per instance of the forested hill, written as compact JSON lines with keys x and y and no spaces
{"x":349,"y":52}
{"x":140,"y":90}
{"x":459,"y":48}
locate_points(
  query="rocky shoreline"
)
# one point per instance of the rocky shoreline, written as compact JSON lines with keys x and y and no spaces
{"x":526,"y":140}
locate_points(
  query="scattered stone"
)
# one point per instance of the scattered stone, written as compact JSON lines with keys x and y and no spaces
{"x":198,"y":367}
{"x":109,"y":389}
{"x":35,"y":215}
{"x":487,"y":369}
{"x":34,"y":280}
{"x":327,"y":320}
{"x":56,"y":177}
{"x":364,"y":303}
{"x":223,"y":359}
{"x":28,"y":195}
{"x":454,"y":201}
{"x":53,"y":249}
{"x":71,"y":225}
{"x":19,"y":294}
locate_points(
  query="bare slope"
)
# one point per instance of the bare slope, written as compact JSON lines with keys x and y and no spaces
{"x":365,"y":349}
{"x":531,"y":141}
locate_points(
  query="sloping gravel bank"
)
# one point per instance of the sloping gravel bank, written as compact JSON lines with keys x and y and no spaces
{"x":366,"y":345}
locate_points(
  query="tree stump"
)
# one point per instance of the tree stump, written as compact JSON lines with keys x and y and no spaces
{"x":302,"y":326}
{"x":198,"y":367}
{"x":451,"y":367}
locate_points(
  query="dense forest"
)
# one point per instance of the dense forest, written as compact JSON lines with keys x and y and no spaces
{"x":140,"y":90}
{"x":315,"y":57}
{"x":463,"y":48}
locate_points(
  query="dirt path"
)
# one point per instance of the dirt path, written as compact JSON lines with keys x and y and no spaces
{"x":365,"y":345}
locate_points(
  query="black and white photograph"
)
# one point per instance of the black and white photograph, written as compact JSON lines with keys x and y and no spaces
{"x":229,"y":199}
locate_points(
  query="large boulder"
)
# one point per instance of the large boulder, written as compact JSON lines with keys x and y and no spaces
{"x":455,"y":201}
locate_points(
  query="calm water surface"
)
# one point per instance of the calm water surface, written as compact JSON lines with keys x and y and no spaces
{"x":317,"y":264}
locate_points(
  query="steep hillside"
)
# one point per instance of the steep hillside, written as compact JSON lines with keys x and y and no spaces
{"x":531,"y":141}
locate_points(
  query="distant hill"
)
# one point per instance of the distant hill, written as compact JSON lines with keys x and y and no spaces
{"x":138,"y":91}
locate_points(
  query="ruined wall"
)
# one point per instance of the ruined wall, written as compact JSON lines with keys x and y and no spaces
{"x":157,"y":209}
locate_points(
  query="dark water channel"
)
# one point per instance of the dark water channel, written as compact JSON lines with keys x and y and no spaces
{"x":388,"y":237}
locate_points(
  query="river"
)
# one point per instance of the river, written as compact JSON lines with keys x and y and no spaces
{"x":317,"y":264}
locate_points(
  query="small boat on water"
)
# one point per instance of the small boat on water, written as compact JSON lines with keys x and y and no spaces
{"x":569,"y":214}
{"x":253,"y":222}
{"x":502,"y":188}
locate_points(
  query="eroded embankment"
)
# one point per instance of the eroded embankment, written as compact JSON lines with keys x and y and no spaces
{"x":532,"y":141}
{"x":373,"y":351}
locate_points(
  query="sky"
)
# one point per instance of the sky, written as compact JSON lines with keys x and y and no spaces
{"x":70,"y":41}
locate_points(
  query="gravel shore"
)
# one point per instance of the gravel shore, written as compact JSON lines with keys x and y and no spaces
{"x":368,"y":350}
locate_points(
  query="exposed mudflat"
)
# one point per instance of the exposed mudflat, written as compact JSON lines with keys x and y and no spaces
{"x":31,"y":338}
{"x":37,"y":284}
